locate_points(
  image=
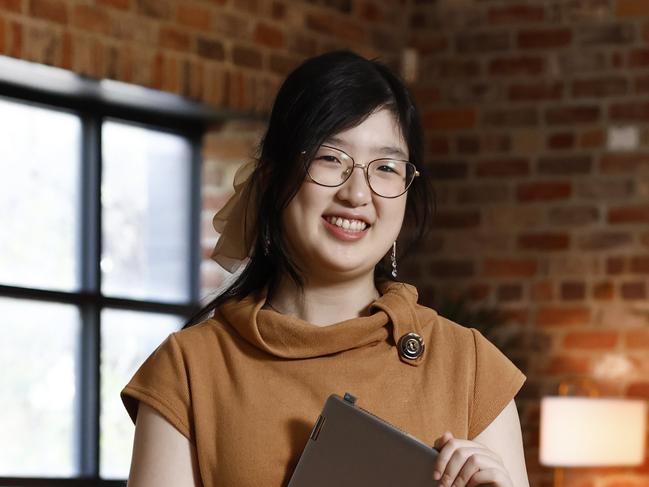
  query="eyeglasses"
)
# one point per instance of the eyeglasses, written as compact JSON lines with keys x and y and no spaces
{"x":389,"y":178}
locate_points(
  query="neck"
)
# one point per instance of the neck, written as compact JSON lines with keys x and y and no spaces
{"x":323,"y":304}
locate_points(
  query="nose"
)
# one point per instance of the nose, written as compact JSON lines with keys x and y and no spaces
{"x":355,"y":190}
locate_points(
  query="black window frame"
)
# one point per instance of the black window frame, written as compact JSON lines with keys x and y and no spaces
{"x":95,"y":101}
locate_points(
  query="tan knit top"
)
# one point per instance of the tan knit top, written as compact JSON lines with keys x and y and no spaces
{"x":246,"y":387}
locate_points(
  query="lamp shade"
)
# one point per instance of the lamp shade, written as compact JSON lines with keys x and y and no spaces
{"x":592,"y":432}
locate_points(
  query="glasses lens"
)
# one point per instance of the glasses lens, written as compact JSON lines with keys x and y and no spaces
{"x":330,"y":167}
{"x":390,"y":178}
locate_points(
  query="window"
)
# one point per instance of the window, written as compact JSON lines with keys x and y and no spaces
{"x":100,"y":198}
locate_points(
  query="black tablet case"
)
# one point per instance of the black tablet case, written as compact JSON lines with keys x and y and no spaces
{"x":349,"y":446}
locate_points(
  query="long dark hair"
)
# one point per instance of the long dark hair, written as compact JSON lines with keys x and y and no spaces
{"x":323,"y":96}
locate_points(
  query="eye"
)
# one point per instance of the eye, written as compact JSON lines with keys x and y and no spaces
{"x":327,"y":159}
{"x":389,"y":167}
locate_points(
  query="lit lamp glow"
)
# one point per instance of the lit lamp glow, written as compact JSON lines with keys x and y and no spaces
{"x":591,"y":432}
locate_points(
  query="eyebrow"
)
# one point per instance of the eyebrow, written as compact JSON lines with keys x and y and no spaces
{"x":386,"y":150}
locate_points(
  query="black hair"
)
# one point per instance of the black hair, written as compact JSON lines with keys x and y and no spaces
{"x":323,"y":96}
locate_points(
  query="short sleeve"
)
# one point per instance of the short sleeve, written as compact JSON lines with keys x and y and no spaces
{"x":162,"y":383}
{"x":497,"y":381}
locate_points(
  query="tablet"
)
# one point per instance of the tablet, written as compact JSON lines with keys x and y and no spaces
{"x":350,"y":446}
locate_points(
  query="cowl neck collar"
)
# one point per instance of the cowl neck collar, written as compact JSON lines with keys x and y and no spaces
{"x":286,"y":336}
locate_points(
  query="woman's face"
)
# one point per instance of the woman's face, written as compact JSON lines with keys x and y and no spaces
{"x":315,"y":219}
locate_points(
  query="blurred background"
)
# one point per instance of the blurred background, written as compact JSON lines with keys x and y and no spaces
{"x":122,"y":123}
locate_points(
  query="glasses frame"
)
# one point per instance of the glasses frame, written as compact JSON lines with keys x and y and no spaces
{"x":365,"y":168}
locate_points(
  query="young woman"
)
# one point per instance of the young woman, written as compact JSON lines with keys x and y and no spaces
{"x":230,"y":401}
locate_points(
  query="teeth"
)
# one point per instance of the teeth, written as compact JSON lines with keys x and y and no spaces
{"x":351,"y":225}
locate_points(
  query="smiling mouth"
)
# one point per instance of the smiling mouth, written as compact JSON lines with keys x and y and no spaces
{"x":348,"y":225}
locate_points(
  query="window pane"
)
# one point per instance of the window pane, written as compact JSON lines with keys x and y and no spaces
{"x":146,"y":219}
{"x":127,"y":339}
{"x":39,"y":184}
{"x":37,"y":388}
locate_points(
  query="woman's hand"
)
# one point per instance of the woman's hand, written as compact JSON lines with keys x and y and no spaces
{"x":464,"y":463}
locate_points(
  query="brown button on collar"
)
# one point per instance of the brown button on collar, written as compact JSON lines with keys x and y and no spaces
{"x":411,"y":346}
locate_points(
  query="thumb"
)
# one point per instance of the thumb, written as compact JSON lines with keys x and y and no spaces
{"x":442,"y":440}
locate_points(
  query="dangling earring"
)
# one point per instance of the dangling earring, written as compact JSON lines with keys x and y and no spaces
{"x":393,"y":258}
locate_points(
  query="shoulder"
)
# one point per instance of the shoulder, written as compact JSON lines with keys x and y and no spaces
{"x":442,"y":328}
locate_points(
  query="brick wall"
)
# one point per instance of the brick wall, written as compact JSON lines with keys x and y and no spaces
{"x":537,"y":122}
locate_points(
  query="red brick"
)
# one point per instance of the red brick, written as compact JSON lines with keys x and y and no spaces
{"x":564,"y":165}
{"x":552,"y":316}
{"x":12,"y":5}
{"x":194,"y":15}
{"x":571,"y":291}
{"x":544,"y":241}
{"x":281,"y":64}
{"x":536,"y":91}
{"x":641,"y":85}
{"x":638,"y":390}
{"x":172,"y":38}
{"x":54,"y":10}
{"x":456,"y":219}
{"x":210,"y":48}
{"x":511,"y":268}
{"x":438,"y":146}
{"x":472,"y":42}
{"x":448,"y":170}
{"x":450,"y":119}
{"x":468,"y":144}
{"x":370,"y":11}
{"x":573,"y":215}
{"x":569,"y":365}
{"x":572,"y":115}
{"x":543,"y":191}
{"x":633,"y":290}
{"x":452,"y":268}
{"x":592,"y":139}
{"x":629,"y":214}
{"x":246,"y":57}
{"x":3,"y":44}
{"x":517,"y":117}
{"x":91,"y":19}
{"x":615,"y":265}
{"x":515,"y":14}
{"x":268,"y":36}
{"x":591,"y":340}
{"x":336,"y":27}
{"x":639,"y":264}
{"x":638,"y":58}
{"x":497,"y":168}
{"x":544,"y":38}
{"x":644,"y":239}
{"x":636,"y":339}
{"x":120,"y":4}
{"x":632,"y":8}
{"x":600,"y":87}
{"x":623,"y":162}
{"x":16,"y":40}
{"x":603,"y":291}
{"x":512,"y":66}
{"x":563,"y":140}
{"x":426,"y":94}
{"x":509,"y":292}
{"x":159,"y":9}
{"x":604,"y":240}
{"x":629,"y":112}
{"x":542,"y":291}
{"x":455,"y":68}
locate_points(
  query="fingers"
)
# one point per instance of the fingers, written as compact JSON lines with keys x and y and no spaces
{"x":463,"y":463}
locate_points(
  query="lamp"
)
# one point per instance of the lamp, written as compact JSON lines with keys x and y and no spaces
{"x":579,"y":431}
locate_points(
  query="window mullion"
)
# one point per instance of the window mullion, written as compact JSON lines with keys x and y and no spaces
{"x":195,"y":220}
{"x":90,"y":244}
